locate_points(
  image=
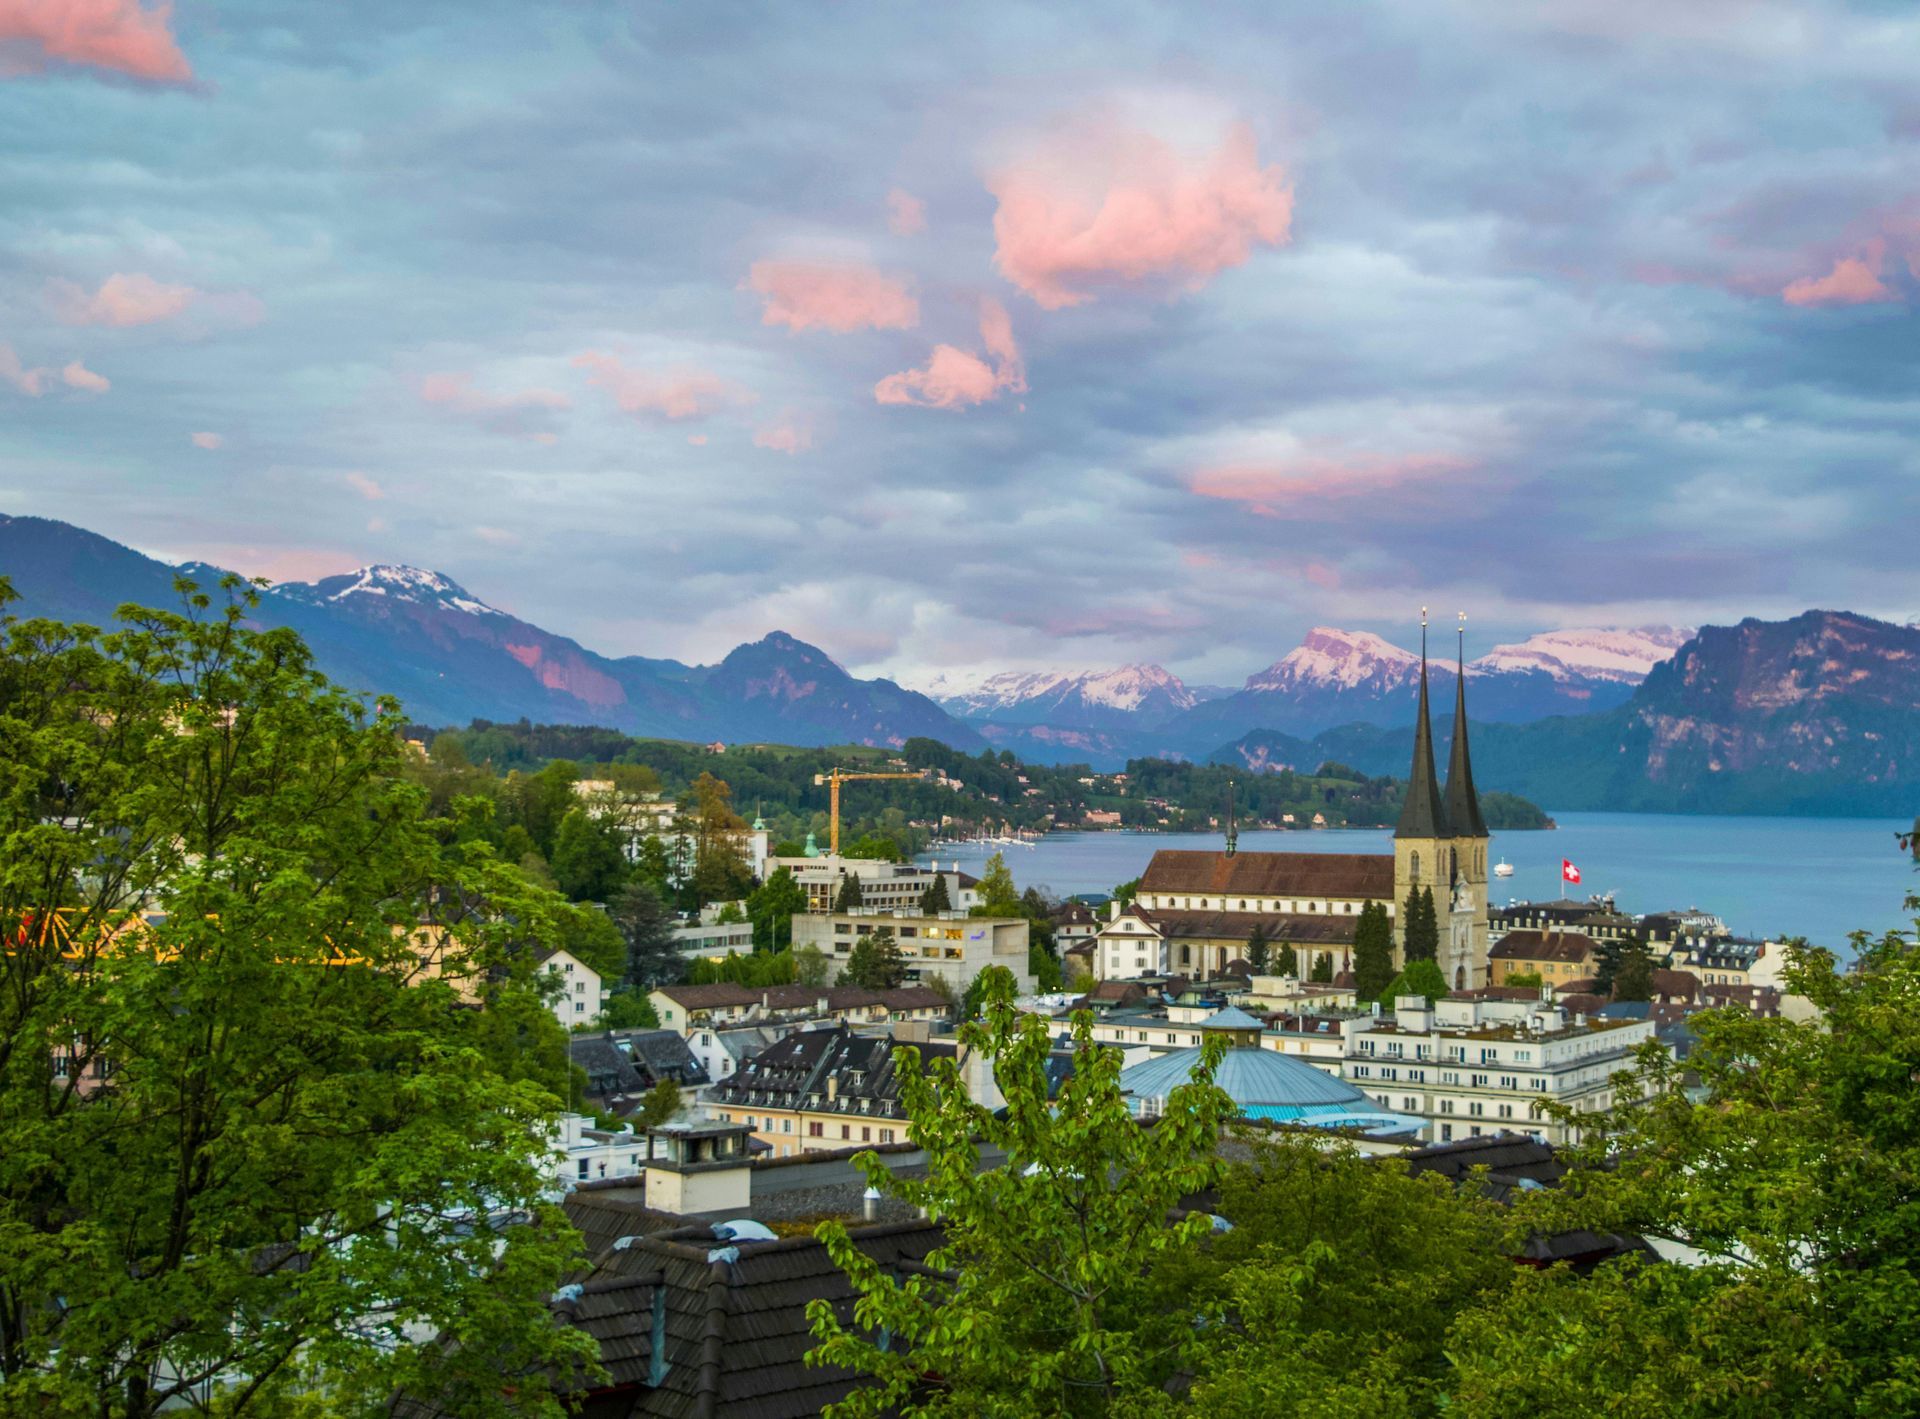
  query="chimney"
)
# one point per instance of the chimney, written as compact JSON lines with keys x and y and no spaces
{"x":870,"y":1204}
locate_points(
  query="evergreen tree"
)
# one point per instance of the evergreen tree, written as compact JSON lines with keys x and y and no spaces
{"x":1421,"y":925}
{"x":875,"y":962}
{"x":998,"y":895}
{"x":772,"y":906}
{"x":661,"y":1104}
{"x":811,"y":966}
{"x":849,"y":895}
{"x":1372,"y":952}
{"x":1420,"y":978}
{"x":1323,"y":969}
{"x":1633,"y":976}
{"x":587,"y":862}
{"x":643,"y":920}
{"x":1258,"y":952}
{"x":1286,"y":962}
{"x":936,"y":898}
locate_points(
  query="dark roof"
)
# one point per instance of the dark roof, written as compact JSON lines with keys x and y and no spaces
{"x":1282,"y":928}
{"x":1114,"y":992}
{"x":1271,"y":874}
{"x":604,"y":1220}
{"x":633,"y":1061}
{"x":811,"y":997}
{"x":1511,"y":1156}
{"x":1531,"y":945}
{"x":709,"y":997}
{"x":1675,"y":985}
{"x":1463,"y":804}
{"x":912,"y":997}
{"x":795,"y":1073}
{"x":1423,"y":815}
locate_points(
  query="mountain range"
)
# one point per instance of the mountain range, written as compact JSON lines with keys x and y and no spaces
{"x":1820,"y":713}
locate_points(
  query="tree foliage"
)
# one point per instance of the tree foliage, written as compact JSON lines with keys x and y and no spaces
{"x":248,"y":1136}
{"x":875,"y":962}
{"x":1372,"y":951}
{"x":998,"y":895}
{"x":772,"y":906}
{"x":936,"y":899}
{"x":1420,"y":932}
{"x":1420,"y":978}
{"x":850,"y":895}
{"x":647,"y":926}
{"x":588,"y":863}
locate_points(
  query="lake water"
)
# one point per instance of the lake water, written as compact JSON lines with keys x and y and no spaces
{"x":1814,"y":877}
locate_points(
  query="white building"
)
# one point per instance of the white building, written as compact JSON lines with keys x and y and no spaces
{"x":581,"y":995}
{"x":589,"y":1153}
{"x":952,"y":946}
{"x":712,"y":938}
{"x":887,"y":886}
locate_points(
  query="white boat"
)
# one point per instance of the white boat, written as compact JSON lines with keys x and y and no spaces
{"x":1503,"y":868}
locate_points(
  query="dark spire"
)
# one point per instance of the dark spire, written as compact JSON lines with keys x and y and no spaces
{"x":1233,"y":831}
{"x":1423,"y":816}
{"x":1463,"y":804}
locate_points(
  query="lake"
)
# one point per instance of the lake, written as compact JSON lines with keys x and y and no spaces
{"x":1814,"y":877}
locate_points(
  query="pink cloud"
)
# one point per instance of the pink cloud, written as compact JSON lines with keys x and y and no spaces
{"x":1854,"y":280}
{"x":1319,"y":485}
{"x":31,"y":383}
{"x":124,"y":298}
{"x":787,"y":436}
{"x":676,"y":394}
{"x":954,"y":378}
{"x":906,"y":214}
{"x":842,"y":298}
{"x":697,"y":440}
{"x":78,"y":376}
{"x":103,"y":34}
{"x":206,"y":440}
{"x":365,"y":487}
{"x":1102,"y":204}
{"x":522,"y":414}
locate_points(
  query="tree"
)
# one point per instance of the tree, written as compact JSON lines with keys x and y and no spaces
{"x":1633,"y":971}
{"x":1286,"y":962}
{"x":875,"y":962}
{"x":1044,"y":967}
{"x":1792,"y":1185}
{"x":587,"y":860}
{"x":1043,"y":1298}
{"x":628,"y":1008}
{"x":1323,"y":969}
{"x":811,"y":966}
{"x":998,"y":895}
{"x":1258,"y":952}
{"x":849,"y":896}
{"x":936,"y":899}
{"x":1420,"y":978}
{"x":653,"y":956}
{"x":295,"y":1160}
{"x":772,"y":906}
{"x":594,"y":940}
{"x":661,"y":1104}
{"x":718,"y":873}
{"x":1372,"y":952}
{"x":654,"y":867}
{"x":1421,"y":928}
{"x":1532,"y":980}
{"x":730,"y":914}
{"x":1126,"y":892}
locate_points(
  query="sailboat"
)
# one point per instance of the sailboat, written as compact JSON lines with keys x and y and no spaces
{"x":1503,"y":868}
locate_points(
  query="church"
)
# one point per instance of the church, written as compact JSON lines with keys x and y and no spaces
{"x":1196,"y":912}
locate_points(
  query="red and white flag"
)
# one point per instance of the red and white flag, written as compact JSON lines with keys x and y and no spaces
{"x":1569,"y":873}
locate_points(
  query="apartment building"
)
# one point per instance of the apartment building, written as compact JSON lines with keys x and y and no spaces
{"x":951,"y":946}
{"x":581,"y":995}
{"x":818,"y":1090}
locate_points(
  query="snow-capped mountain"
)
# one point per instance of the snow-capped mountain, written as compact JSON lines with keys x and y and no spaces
{"x":396,"y":583}
{"x":1339,"y":661}
{"x":1623,"y":656}
{"x":1133,"y":695}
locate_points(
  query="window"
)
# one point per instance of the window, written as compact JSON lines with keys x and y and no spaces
{"x":1360,"y":1071}
{"x":1446,"y":1106}
{"x":579,"y":1007}
{"x":886,"y":1135}
{"x":846,"y":1130}
{"x":866,"y":1134}
{"x":1507,"y":1081}
{"x":1446,"y":1133}
{"x":1506,"y":1111}
{"x":569,"y":967}
{"x":582,"y":1168}
{"x":1479,"y":1081}
{"x":816,"y":1129}
{"x":1476,"y":1108}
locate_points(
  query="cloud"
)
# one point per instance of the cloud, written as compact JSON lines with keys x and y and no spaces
{"x":801,"y":295}
{"x":676,"y":394}
{"x":103,"y":34}
{"x":787,"y":436}
{"x":366,"y":487}
{"x":956,"y":379}
{"x":906,"y":214}
{"x":1377,"y":487}
{"x":124,"y":298}
{"x":495,"y":536}
{"x":697,"y":440}
{"x":525,"y":413}
{"x":205,"y":440}
{"x":31,"y":383}
{"x":1100,"y":204}
{"x":1854,"y":280}
{"x":78,"y":376}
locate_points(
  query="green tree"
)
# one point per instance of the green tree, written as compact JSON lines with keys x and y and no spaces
{"x":661,"y":1104}
{"x":1044,"y":1297}
{"x":247,"y":1137}
{"x":628,"y":1008}
{"x":1792,"y":1184}
{"x":1421,"y":928}
{"x":1044,"y":967}
{"x":936,"y":899}
{"x":875,"y":962}
{"x":595,"y":941}
{"x":1372,"y":952}
{"x":849,"y":896}
{"x":772,"y":906}
{"x":719,"y":872}
{"x":1258,"y":952}
{"x":1420,"y":978}
{"x":1126,"y":892}
{"x":647,"y":927}
{"x":998,"y":895}
{"x":1531,"y":979}
{"x":587,"y":861}
{"x":1633,"y":971}
{"x":811,"y":966}
{"x":1286,"y":961}
{"x":1323,"y":969}
{"x":654,"y":866}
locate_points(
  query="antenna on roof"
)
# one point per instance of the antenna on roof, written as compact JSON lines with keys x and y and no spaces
{"x":1233,"y":831}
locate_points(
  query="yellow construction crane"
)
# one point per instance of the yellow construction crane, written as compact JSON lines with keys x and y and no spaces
{"x":834,"y":778}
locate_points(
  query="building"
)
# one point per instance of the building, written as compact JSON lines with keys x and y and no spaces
{"x":590,"y":1153}
{"x":723,"y":1025}
{"x":884,"y":886}
{"x":1196,"y":912}
{"x":817,"y":1090}
{"x":1557,"y":957}
{"x":580,"y":996}
{"x":1598,"y":918}
{"x":622,"y":1065}
{"x":1471,"y":1067}
{"x":711,"y":938}
{"x":951,"y":947}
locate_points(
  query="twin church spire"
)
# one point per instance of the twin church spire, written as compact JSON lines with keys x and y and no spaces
{"x":1427,"y":814}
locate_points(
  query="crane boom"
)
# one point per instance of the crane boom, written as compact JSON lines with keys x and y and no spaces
{"x":833,"y":778}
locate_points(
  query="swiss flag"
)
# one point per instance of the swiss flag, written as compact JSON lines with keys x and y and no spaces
{"x":1568,"y":872}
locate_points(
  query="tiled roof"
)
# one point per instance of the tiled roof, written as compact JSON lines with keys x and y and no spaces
{"x":648,"y":1057}
{"x":709,"y":997}
{"x":1529,"y":945}
{"x":912,"y":997}
{"x":1271,"y":874}
{"x":1282,"y":928}
{"x":795,"y":1073}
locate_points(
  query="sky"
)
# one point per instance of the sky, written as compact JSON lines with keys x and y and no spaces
{"x":968,"y":338}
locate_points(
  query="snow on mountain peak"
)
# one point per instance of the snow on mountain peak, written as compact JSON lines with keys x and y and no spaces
{"x":1127,"y":687}
{"x":398,"y":583}
{"x":1622,"y":655}
{"x":1340,"y":659}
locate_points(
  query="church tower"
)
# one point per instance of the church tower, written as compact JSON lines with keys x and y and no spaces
{"x":1464,"y":933}
{"x":1423,"y":840}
